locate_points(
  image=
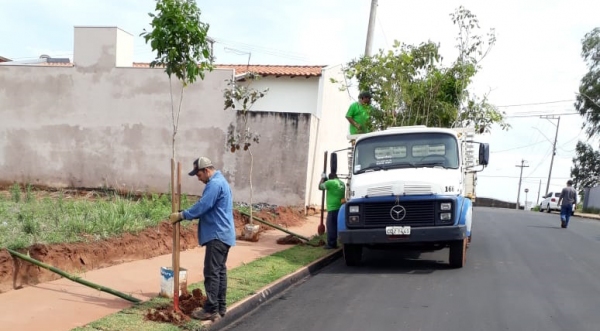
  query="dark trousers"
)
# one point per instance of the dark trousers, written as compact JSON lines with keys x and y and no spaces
{"x":215,"y":276}
{"x":332,"y":228}
{"x":565,"y":213}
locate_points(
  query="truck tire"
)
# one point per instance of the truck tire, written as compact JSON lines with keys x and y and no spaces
{"x":458,"y":253}
{"x":352,"y":254}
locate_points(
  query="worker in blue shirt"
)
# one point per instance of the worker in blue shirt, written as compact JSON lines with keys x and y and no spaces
{"x":216,"y":231}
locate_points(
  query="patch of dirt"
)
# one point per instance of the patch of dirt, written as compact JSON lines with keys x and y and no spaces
{"x":187,"y":304}
{"x":289,"y":240}
{"x":166,"y":315}
{"x":78,"y":258}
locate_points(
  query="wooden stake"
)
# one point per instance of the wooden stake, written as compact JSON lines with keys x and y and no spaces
{"x":175,"y":256}
{"x":178,"y":232}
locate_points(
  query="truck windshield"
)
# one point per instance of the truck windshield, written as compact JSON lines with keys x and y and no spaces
{"x":408,"y":150}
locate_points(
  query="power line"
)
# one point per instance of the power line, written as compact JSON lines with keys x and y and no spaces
{"x":514,"y":148}
{"x":261,"y":49}
{"x":535,"y":103}
{"x":540,"y":163}
{"x":382,"y":32}
{"x":531,"y":178}
{"x":537,"y":115}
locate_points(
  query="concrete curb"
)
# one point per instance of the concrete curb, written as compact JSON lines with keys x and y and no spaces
{"x":248,"y":305}
{"x":587,"y":216}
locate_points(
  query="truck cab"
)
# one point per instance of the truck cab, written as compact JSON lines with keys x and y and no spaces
{"x":410,"y":187}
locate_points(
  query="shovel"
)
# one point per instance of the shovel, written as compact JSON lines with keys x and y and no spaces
{"x":321,"y":228}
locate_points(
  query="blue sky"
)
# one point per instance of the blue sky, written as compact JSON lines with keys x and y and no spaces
{"x":536,"y":59}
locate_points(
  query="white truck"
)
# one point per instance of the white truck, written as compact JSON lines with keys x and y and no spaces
{"x":410,"y":187}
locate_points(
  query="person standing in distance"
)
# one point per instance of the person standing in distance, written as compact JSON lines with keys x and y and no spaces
{"x":359,"y":114}
{"x":336,"y":191}
{"x":216,"y":231}
{"x":568,"y":197}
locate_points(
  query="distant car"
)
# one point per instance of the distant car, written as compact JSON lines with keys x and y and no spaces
{"x":550,"y":203}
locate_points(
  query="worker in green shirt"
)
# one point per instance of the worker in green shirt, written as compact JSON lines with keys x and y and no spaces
{"x":359,"y":114}
{"x":336,"y":191}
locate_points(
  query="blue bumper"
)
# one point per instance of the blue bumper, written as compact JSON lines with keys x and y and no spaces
{"x":417,"y":235}
{"x":458,"y":229}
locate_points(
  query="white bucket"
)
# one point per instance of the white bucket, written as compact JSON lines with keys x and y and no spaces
{"x":166,"y":281}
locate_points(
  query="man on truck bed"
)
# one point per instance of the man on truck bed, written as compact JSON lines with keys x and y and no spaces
{"x":359,"y":114}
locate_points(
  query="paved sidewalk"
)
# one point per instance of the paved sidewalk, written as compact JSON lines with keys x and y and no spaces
{"x":62,"y":305}
{"x":590,"y":216}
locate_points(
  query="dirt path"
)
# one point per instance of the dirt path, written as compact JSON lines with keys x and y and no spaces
{"x":62,"y":305}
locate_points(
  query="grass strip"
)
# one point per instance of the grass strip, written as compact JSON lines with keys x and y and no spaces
{"x":31,"y":217}
{"x":243,"y":282}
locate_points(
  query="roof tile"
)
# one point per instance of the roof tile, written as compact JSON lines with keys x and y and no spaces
{"x":264,"y":70}
{"x":275,"y":70}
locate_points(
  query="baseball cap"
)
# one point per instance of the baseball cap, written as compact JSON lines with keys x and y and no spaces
{"x":200,"y":163}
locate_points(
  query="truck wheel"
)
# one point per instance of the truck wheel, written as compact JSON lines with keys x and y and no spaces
{"x":352,"y":254}
{"x":458,"y":253}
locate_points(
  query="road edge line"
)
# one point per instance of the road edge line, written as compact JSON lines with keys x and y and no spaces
{"x":270,"y":291}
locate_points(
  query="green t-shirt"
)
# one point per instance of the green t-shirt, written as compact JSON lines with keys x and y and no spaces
{"x":336,"y":191}
{"x":361,"y":114}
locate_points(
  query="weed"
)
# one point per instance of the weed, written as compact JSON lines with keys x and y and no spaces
{"x":29,"y":193}
{"x":15,"y":192}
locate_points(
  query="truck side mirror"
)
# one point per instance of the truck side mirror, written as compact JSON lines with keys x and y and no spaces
{"x":484,"y":154}
{"x":333,"y":163}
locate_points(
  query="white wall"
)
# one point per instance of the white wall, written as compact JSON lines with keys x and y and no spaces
{"x":287,"y":94}
{"x":94,"y":124}
{"x":329,"y":133}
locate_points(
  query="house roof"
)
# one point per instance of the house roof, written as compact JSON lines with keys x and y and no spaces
{"x":264,"y":70}
{"x":4,"y":59}
{"x":275,"y":70}
{"x":239,"y":69}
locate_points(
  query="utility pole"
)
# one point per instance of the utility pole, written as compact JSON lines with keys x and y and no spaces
{"x":520,"y":179}
{"x":371,"y":28}
{"x":553,"y":147}
{"x":539,"y":189}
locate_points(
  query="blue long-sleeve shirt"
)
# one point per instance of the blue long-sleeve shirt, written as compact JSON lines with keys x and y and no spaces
{"x":215,"y":211}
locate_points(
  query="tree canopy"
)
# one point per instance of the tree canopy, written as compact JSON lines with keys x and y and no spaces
{"x":588,"y":99}
{"x":411,"y":86}
{"x":180,"y":40}
{"x":586,"y":167}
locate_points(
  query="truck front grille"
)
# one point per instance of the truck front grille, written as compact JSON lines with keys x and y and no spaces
{"x":418,"y":213}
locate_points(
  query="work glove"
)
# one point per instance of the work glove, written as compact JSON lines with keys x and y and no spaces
{"x":324,"y":176}
{"x":175,"y":217}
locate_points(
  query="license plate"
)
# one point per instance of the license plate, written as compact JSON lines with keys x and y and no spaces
{"x":397,"y":230}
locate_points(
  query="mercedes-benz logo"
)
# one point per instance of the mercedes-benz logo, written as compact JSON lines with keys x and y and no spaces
{"x":398,"y":213}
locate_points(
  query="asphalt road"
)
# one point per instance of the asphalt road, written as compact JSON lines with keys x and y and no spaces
{"x":523,"y":273}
